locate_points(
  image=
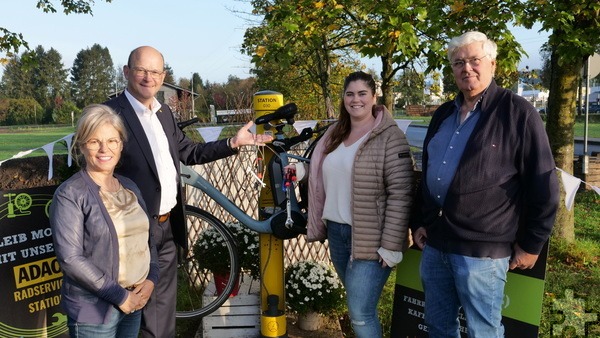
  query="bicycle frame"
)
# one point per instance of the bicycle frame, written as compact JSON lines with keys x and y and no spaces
{"x":192,"y":178}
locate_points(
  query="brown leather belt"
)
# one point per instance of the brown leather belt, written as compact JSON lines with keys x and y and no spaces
{"x":163,"y":218}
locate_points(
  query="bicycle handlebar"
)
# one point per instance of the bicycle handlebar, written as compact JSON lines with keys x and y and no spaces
{"x":286,"y":112}
{"x":181,"y":125}
{"x":287,"y":143}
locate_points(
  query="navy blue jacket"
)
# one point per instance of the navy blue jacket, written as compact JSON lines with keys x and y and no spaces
{"x":137,"y":161}
{"x":505,"y":187}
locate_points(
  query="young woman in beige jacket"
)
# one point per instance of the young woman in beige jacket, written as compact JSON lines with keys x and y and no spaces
{"x":360,"y":195}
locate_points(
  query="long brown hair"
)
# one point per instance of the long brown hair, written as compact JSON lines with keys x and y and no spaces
{"x":341,"y":129}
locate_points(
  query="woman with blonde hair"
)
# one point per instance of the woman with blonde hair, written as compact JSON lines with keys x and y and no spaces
{"x":101,"y":235}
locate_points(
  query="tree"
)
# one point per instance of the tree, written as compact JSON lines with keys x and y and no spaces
{"x":196,"y":86}
{"x":408,"y":33}
{"x":17,"y":79}
{"x":410,"y":84}
{"x":11,"y":42}
{"x":42,"y":77}
{"x":545,"y":71}
{"x":20,"y":111}
{"x":92,"y":76}
{"x":120,"y":81}
{"x":575,"y":27}
{"x":240,"y":92}
{"x":307,"y":37}
{"x":49,"y":80}
{"x":65,"y":112}
{"x":169,"y":75}
{"x":317,"y":37}
{"x":197,"y":83}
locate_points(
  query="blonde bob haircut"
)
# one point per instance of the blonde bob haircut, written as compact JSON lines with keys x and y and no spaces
{"x":93,"y":117}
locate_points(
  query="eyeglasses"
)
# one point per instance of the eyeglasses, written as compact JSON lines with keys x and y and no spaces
{"x":474,"y":62}
{"x":140,"y":72}
{"x":94,"y":144}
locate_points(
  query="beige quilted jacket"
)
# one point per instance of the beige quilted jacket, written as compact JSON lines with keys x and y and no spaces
{"x":382,"y":189}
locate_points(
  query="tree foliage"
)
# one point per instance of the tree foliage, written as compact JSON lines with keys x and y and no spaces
{"x":92,"y":76}
{"x":17,"y":82}
{"x":49,"y":76}
{"x":305,"y":37}
{"x":19,"y":111}
{"x":309,"y":40}
{"x":120,"y":80}
{"x":575,"y":27}
{"x":413,"y":33}
{"x":169,"y":77}
{"x":42,"y":77}
{"x":411,"y":84}
{"x":65,"y":111}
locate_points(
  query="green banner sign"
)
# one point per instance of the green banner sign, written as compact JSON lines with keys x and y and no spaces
{"x":522,"y":308}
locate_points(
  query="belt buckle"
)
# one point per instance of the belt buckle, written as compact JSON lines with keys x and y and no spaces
{"x":163,"y":218}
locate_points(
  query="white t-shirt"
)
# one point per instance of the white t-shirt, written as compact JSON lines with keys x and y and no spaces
{"x":337,"y":180}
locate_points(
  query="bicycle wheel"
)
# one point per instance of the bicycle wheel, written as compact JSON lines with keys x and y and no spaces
{"x":196,"y":291}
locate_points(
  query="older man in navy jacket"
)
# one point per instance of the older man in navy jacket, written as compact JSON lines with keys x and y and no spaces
{"x":488,"y":197}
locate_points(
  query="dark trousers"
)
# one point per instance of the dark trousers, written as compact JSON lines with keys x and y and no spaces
{"x":158,"y":319}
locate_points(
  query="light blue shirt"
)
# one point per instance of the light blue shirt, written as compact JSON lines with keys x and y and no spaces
{"x":446,"y":149}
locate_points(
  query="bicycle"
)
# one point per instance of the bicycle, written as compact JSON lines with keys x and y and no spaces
{"x":286,"y":220}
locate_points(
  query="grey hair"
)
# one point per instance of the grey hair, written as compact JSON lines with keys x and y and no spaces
{"x":489,"y":47}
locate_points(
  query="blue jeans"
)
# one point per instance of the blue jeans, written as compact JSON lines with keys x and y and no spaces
{"x":120,"y":325}
{"x":451,"y":281}
{"x":363,"y":280}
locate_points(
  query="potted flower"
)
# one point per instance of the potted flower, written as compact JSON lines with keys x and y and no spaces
{"x":209,"y":252}
{"x":248,"y":248}
{"x":313,"y":288}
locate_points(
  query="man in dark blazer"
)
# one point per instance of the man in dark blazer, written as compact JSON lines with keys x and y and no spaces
{"x":151,"y":158}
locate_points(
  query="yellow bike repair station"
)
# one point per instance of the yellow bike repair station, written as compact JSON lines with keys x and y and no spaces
{"x":272,"y":292}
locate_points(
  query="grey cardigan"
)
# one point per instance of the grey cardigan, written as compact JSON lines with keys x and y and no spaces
{"x":86,"y":247}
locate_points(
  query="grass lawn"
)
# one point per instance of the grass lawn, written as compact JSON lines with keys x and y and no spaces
{"x":593,"y":129}
{"x":572,"y":295}
{"x":14,"y":140}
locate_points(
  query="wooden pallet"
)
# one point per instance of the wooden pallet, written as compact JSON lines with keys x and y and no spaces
{"x":238,"y":317}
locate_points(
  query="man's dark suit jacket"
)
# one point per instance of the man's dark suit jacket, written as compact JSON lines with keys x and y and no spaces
{"x":138,"y":164}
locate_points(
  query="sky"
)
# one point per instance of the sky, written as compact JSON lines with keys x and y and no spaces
{"x":194,"y":35}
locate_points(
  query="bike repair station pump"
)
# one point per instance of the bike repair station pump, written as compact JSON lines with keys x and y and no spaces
{"x":272,"y":292}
